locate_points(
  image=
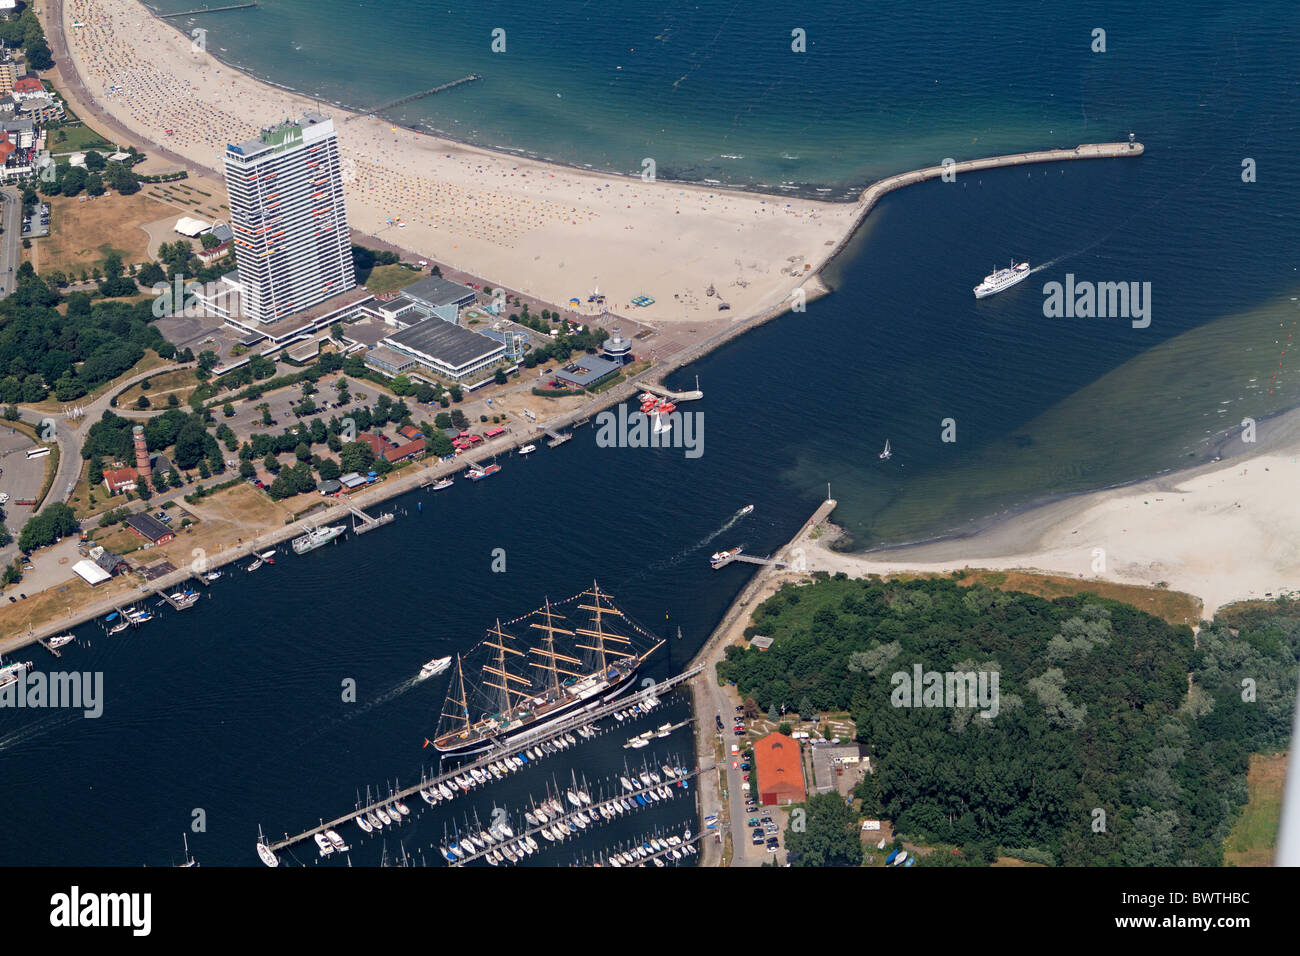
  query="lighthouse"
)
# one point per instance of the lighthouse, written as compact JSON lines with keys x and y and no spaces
{"x":141,"y":452}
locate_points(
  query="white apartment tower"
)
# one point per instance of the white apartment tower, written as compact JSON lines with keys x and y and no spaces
{"x":288,"y":218}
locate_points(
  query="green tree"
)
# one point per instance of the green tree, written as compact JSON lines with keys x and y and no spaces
{"x":825,"y":834}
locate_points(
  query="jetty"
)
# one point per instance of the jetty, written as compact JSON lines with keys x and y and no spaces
{"x":222,"y":9}
{"x":369,"y":522}
{"x":412,"y":97}
{"x":555,"y":438}
{"x":750,"y":559}
{"x":516,"y":745}
{"x":178,"y":599}
{"x":52,"y":650}
{"x":691,"y":396}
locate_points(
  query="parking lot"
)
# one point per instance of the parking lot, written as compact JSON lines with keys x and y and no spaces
{"x":20,"y":477}
{"x":37,"y":224}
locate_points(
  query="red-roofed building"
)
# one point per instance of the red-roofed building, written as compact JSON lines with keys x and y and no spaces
{"x":384,"y":447}
{"x":410,"y":432}
{"x":118,"y":480}
{"x":209,"y":256}
{"x":28,"y":86}
{"x":778,"y":770}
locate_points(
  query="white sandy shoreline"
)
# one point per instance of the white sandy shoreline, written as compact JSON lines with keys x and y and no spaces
{"x":1224,"y":532}
{"x":555,"y":232}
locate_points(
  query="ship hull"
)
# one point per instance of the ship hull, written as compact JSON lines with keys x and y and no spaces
{"x":479,"y":745}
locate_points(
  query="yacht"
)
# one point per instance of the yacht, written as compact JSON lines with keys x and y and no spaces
{"x":435,"y":666}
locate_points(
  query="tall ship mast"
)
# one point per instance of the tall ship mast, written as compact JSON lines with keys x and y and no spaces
{"x":518,"y":686}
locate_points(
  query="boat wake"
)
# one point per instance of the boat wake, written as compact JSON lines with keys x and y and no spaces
{"x":37,"y":728}
{"x":702,"y":543}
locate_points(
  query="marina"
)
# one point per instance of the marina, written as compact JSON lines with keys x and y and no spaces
{"x":446,"y":782}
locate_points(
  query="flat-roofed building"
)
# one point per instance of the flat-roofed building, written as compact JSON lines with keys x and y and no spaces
{"x":288,"y":217}
{"x":586,"y":370}
{"x":440,"y":296}
{"x":446,"y":349}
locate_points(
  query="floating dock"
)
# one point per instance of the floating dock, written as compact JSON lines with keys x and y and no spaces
{"x":555,"y":438}
{"x":749,"y":559}
{"x":369,"y":522}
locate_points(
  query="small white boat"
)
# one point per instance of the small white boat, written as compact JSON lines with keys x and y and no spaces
{"x":384,"y":818}
{"x":527,"y":449}
{"x":364,"y":824}
{"x":435,"y":666}
{"x":61,"y":640}
{"x":748,"y":509}
{"x":402,"y":808}
{"x":257,"y":563}
{"x":269,"y":858}
{"x":336,"y":840}
{"x":886,"y":454}
{"x":326,"y":848}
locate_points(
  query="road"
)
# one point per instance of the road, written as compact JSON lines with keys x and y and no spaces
{"x":11,"y":216}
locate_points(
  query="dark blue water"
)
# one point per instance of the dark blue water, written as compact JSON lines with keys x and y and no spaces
{"x":235,"y":707}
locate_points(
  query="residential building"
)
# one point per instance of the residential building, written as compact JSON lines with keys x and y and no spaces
{"x":120,"y":480}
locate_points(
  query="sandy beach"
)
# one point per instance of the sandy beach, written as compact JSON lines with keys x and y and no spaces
{"x":1223,"y":532}
{"x":549,"y":231}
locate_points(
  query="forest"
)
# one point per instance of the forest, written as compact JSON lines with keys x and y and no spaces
{"x":43,"y":350}
{"x":1098,"y":753}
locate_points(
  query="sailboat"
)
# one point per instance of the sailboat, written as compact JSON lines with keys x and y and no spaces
{"x":886,"y":454}
{"x":568,"y":674}
{"x":189,"y":860}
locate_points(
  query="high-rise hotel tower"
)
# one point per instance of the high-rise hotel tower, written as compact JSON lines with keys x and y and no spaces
{"x":286,"y":211}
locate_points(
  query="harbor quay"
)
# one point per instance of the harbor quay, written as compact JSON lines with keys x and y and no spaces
{"x":412,"y":480}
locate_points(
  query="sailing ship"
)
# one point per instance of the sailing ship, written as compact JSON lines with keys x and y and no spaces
{"x":886,"y":454}
{"x":525,"y":686}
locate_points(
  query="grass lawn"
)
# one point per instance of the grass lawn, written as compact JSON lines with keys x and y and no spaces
{"x":71,"y":139}
{"x":180,"y":383}
{"x":391,"y":278}
{"x":1254,"y":836}
{"x":82,"y":234}
{"x":151,"y":360}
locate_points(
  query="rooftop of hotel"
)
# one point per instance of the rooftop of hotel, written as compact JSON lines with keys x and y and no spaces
{"x":279,"y":137}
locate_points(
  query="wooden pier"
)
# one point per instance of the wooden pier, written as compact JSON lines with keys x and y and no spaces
{"x":412,"y":97}
{"x":556,"y":438}
{"x":190,"y":13}
{"x":518,"y":744}
{"x":182,"y":603}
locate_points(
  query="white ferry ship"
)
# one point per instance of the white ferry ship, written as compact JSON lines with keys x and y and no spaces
{"x":1002,"y":279}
